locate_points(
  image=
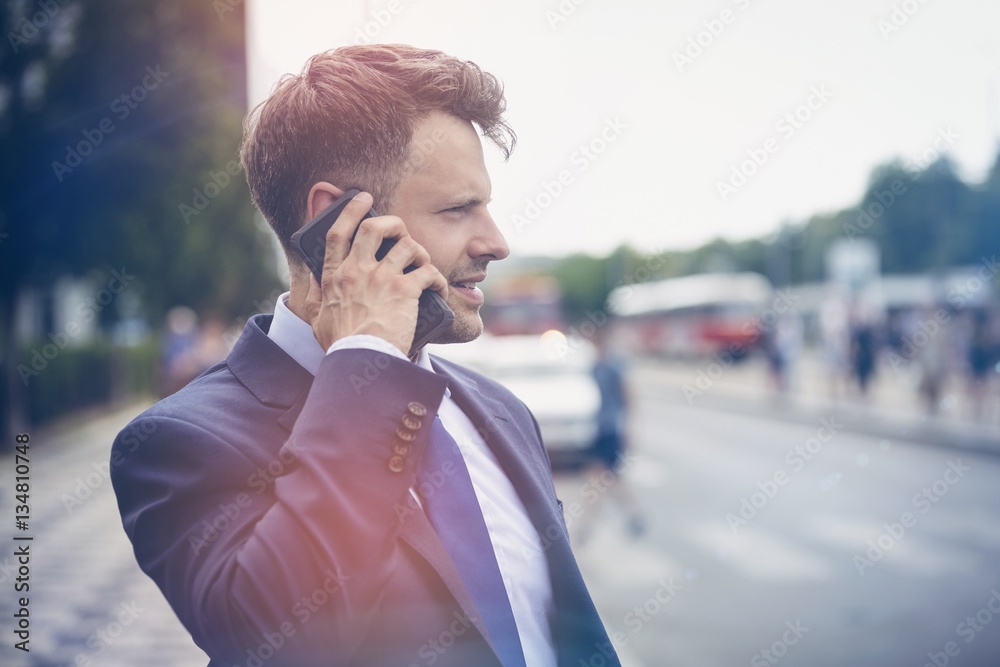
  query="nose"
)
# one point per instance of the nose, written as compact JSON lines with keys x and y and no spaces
{"x":489,"y":242}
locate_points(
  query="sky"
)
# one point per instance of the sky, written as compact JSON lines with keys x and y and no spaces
{"x":665,"y":124}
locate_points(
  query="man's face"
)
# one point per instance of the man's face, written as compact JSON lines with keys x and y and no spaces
{"x":442,"y":199}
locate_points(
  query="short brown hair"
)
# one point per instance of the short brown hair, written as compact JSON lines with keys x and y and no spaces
{"x":349,"y":117}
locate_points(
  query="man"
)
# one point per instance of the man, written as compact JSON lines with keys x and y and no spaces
{"x":319,"y":498}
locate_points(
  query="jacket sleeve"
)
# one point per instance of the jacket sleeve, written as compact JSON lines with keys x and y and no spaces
{"x":299,"y":559}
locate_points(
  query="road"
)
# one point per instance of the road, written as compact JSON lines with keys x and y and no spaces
{"x":780,"y":539}
{"x":773,"y":538}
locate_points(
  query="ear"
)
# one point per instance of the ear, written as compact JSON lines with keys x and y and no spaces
{"x":321,"y":195}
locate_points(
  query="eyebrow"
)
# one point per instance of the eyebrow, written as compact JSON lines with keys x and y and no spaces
{"x":462,"y":203}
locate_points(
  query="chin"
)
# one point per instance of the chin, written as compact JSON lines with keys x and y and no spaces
{"x":466,"y":327}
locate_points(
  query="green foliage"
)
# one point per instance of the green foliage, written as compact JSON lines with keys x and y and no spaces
{"x":114,"y":115}
{"x":582,"y":279}
{"x":150,"y":97}
{"x":81,"y":377}
{"x":922,"y":221}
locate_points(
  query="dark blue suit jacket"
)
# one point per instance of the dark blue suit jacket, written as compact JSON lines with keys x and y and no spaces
{"x":267,"y":506}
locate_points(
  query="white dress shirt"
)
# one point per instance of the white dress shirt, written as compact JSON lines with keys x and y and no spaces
{"x":516,"y":543}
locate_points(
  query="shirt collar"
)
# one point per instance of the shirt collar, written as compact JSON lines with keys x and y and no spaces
{"x":296,"y":338}
{"x":424,"y":361}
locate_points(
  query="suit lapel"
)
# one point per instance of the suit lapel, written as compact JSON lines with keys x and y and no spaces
{"x":416,"y":530}
{"x":272,"y":376}
{"x":576,"y":622}
{"x":508,"y":441}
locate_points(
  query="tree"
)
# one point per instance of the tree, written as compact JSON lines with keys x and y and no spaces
{"x":121,"y":122}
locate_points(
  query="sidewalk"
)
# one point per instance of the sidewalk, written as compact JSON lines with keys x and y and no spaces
{"x":90,"y":604}
{"x":892,"y":408}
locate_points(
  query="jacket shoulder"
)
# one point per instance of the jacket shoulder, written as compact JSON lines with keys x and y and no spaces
{"x":215,"y":403}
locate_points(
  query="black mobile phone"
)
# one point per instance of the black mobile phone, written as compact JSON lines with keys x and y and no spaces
{"x":433,"y":316}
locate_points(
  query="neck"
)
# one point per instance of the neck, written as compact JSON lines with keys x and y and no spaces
{"x":297,"y":291}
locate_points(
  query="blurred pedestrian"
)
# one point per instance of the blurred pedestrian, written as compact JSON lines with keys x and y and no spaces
{"x":863,"y":349}
{"x":606,"y":457}
{"x":836,"y":337}
{"x":189,"y":348}
{"x":933,"y":357}
{"x":982,"y":357}
{"x":211,"y":346}
{"x":783,"y":345}
{"x":177,"y":359}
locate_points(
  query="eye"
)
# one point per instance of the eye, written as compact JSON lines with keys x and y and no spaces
{"x":462,"y":209}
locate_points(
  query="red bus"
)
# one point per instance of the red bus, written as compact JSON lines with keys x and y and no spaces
{"x":692,"y":316}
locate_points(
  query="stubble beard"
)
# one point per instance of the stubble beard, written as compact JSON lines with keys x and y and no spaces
{"x":468,"y":325}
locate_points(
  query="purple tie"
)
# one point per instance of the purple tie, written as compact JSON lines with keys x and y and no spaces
{"x":453,"y":510}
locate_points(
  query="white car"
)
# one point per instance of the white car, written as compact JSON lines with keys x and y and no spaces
{"x":551,"y":374}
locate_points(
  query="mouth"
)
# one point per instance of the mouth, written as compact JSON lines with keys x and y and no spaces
{"x":468,"y":288}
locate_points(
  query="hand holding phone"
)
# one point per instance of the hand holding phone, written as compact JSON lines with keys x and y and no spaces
{"x":433,"y":314}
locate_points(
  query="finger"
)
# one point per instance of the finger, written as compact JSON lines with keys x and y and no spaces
{"x":338,"y":239}
{"x":428,"y":277}
{"x":371,"y":233}
{"x":407,"y":252}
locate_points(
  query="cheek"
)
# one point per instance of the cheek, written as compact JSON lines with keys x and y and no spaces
{"x":445,"y":253}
